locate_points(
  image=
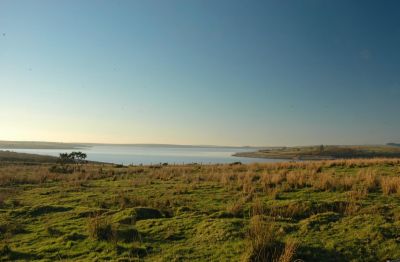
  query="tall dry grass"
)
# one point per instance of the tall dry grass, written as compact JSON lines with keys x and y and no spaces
{"x":270,"y":178}
{"x":390,"y":185}
{"x":289,"y":251}
{"x":101,"y":228}
{"x":264,"y":243}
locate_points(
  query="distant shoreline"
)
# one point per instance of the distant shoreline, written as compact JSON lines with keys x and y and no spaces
{"x":19,"y":157}
{"x":325,"y":152}
{"x":39,"y":145}
{"x":294,"y":158}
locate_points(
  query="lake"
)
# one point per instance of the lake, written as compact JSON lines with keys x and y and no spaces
{"x":147,"y":155}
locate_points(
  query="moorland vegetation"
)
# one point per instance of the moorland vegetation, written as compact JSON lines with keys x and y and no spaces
{"x":332,"y":210}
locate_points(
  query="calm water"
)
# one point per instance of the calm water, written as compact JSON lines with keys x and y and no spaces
{"x":155,"y":154}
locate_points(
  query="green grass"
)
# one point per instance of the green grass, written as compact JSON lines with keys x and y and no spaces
{"x":180,"y":213}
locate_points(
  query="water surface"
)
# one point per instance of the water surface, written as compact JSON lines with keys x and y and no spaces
{"x":141,"y":154}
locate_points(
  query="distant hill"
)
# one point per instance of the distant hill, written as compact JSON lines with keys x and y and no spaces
{"x":325,"y":152}
{"x":58,"y":145}
{"x":9,"y":156}
{"x":174,"y":145}
{"x":393,"y":144}
{"x":39,"y":145}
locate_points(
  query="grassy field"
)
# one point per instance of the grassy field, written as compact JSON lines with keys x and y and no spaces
{"x":337,"y":210}
{"x":326,"y":152}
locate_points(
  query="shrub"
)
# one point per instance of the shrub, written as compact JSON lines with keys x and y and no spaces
{"x":61,"y":169}
{"x":100,"y":228}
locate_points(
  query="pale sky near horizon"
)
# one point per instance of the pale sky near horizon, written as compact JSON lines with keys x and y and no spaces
{"x":219,"y":72}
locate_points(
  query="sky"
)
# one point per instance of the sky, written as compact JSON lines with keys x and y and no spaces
{"x":215,"y":72}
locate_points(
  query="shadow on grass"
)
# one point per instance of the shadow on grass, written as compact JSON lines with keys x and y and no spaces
{"x":134,"y":250}
{"x":38,"y":210}
{"x":16,"y":255}
{"x":316,"y":254}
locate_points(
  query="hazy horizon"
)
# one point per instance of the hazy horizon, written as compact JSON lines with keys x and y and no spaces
{"x":187,"y":145}
{"x":223,"y":73}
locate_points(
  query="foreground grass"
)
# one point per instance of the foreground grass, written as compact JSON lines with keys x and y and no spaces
{"x":345,"y":210}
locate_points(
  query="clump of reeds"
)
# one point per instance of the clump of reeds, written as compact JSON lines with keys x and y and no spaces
{"x":101,"y":228}
{"x":289,"y":251}
{"x":324,"y":182}
{"x":236,"y":208}
{"x":390,"y":185}
{"x":369,"y":178}
{"x":263,"y":243}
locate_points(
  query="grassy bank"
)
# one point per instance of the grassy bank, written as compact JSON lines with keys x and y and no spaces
{"x":343,"y":210}
{"x":325,"y":152}
{"x":9,"y":156}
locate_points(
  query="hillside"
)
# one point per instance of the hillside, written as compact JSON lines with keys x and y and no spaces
{"x":39,"y":145}
{"x":9,"y":156}
{"x":324,"y":152}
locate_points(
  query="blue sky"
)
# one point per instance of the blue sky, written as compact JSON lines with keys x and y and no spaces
{"x":200,"y":72}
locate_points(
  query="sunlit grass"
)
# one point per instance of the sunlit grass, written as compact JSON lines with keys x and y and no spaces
{"x":336,"y":210}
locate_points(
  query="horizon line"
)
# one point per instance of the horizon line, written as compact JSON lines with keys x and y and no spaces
{"x":185,"y":145}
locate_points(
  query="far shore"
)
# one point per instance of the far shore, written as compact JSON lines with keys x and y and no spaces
{"x":325,"y":152}
{"x":259,"y":154}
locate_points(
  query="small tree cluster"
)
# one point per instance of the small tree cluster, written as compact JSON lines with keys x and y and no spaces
{"x":64,"y":159}
{"x":73,"y":157}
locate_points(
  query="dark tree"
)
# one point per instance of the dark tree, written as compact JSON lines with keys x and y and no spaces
{"x":64,"y":158}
